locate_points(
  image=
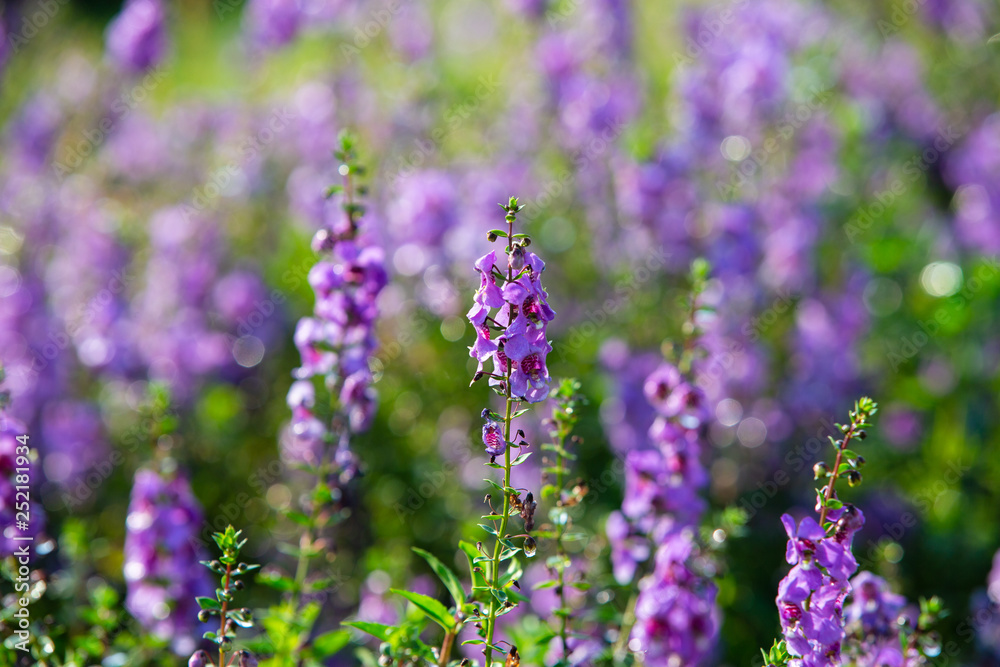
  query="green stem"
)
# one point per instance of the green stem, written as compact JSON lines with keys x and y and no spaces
{"x":502,"y":534}
{"x":835,"y":474}
{"x":222,"y":616}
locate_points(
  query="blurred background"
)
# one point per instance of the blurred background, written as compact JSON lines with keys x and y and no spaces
{"x":838,"y":164}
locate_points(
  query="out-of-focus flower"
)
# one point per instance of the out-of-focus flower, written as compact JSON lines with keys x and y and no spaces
{"x":273,"y":23}
{"x":162,"y":554}
{"x":137,"y":37}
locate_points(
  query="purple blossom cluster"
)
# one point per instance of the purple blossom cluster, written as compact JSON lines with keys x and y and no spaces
{"x":162,"y":554}
{"x":335,"y":346}
{"x":511,"y":323}
{"x":872,"y":617}
{"x":677,"y":620}
{"x":811,"y":597}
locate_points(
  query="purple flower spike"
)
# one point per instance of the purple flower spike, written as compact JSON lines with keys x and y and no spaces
{"x":161,"y":567}
{"x":137,"y":39}
{"x":520,"y":310}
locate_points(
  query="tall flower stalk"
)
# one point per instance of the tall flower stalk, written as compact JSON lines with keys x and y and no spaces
{"x":811,"y":597}
{"x":513,"y":338}
{"x":332,"y":398}
{"x":674,"y":618}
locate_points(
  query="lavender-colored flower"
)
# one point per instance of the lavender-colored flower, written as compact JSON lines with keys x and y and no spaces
{"x":493,"y":437}
{"x":676,"y":618}
{"x":335,"y":346}
{"x":522,"y":316}
{"x":873,"y":622}
{"x":162,"y":555}
{"x":136,"y":39}
{"x":629,"y":547}
{"x":274,"y":23}
{"x":199,"y":659}
{"x":811,"y":597}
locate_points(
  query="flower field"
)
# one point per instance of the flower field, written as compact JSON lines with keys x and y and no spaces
{"x":526,"y":332}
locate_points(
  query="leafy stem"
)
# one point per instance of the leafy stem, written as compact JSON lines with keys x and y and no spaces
{"x":864,"y":409}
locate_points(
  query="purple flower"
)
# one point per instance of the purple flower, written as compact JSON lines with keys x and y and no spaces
{"x":136,"y":39}
{"x":335,"y":346}
{"x":522,"y":314}
{"x":873,"y":606}
{"x":811,"y":597}
{"x":493,"y":437}
{"x":802,"y":540}
{"x":628,"y":547}
{"x":162,"y":554}
{"x":676,"y":618}
{"x":273,"y":23}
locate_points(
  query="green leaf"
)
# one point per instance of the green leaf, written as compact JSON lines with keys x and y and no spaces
{"x":834,"y":504}
{"x":436,"y":611}
{"x":298,"y":517}
{"x":520,"y":412}
{"x":498,"y":232}
{"x":376,"y":630}
{"x":489,"y":529}
{"x":478,"y":580}
{"x":329,"y":643}
{"x":520,"y":459}
{"x":444,"y":573}
{"x":496,"y":486}
{"x":208,"y":603}
{"x":849,"y":454}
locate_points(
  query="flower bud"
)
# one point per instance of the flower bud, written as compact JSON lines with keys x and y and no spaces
{"x":199,"y":659}
{"x":820,"y":470}
{"x":203,"y":616}
{"x":861,"y":435}
{"x":853,"y":477}
{"x":515,"y":260}
{"x":247,"y":659}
